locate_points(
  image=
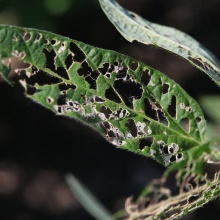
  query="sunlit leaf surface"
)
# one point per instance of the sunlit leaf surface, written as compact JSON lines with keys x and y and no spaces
{"x":134,"y":106}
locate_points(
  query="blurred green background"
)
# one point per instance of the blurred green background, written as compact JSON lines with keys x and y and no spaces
{"x":38,"y":148}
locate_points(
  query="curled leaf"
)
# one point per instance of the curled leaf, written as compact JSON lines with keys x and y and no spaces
{"x":134,"y":27}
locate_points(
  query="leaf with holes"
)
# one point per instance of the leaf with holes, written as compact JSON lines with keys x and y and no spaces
{"x":133,"y":27}
{"x":192,"y":186}
{"x":134,"y":106}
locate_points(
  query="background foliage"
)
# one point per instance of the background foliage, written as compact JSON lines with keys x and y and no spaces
{"x":37,"y":148}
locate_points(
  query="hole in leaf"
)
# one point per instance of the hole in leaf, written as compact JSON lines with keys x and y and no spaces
{"x":193,"y":198}
{"x":106,"y":111}
{"x":64,"y":87}
{"x":192,"y":184}
{"x":50,"y":100}
{"x":111,"y":95}
{"x":198,"y":119}
{"x":61,"y":71}
{"x":34,"y":69}
{"x":166,"y":88}
{"x":111,"y":68}
{"x":103,"y":70}
{"x":134,"y":65}
{"x":45,"y":41}
{"x":42,"y":78}
{"x":38,"y":37}
{"x":61,"y":100}
{"x":87,"y":72}
{"x":53,"y":42}
{"x":128,"y":90}
{"x":182,"y":106}
{"x":145,"y":142}
{"x":173,"y":158}
{"x":147,"y":122}
{"x":121,"y":113}
{"x":91,"y":82}
{"x":179,"y":156}
{"x":50,"y":59}
{"x":132,"y":127}
{"x":160,"y":116}
{"x":69,"y":61}
{"x":200,"y":63}
{"x":171,"y":150}
{"x":111,"y":134}
{"x":165,"y":149}
{"x":59,"y":109}
{"x":27,"y":36}
{"x":149,"y":111}
{"x":95,"y":75}
{"x":145,"y":79}
{"x":122,"y":73}
{"x":172,"y":107}
{"x":132,"y":15}
{"x":188,"y":109}
{"x":79,"y":56}
{"x":106,"y":125}
{"x":31,"y":90}
{"x":98,"y":99}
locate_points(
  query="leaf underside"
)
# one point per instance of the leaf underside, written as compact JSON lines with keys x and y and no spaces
{"x":134,"y":27}
{"x":132,"y":105}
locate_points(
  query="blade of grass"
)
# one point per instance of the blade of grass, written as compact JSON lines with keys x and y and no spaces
{"x":87,"y":200}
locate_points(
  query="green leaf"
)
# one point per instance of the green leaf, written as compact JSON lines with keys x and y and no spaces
{"x":133,"y":27}
{"x":132,"y":105}
{"x":5,"y":71}
{"x":180,"y":191}
{"x":87,"y":200}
